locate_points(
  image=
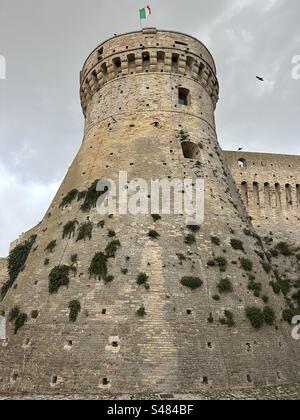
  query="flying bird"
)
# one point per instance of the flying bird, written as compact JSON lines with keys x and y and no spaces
{"x":240,"y":149}
{"x":260,"y":78}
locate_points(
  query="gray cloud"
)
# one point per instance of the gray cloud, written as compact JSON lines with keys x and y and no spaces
{"x":45,"y":44}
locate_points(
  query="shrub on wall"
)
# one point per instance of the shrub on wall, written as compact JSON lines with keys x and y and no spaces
{"x":74,"y":258}
{"x":228,"y":320}
{"x":153,"y":234}
{"x":142,"y":280}
{"x":69,"y":198}
{"x":16,"y":263}
{"x":51,"y":246}
{"x":75,"y":309}
{"x":246,"y":264}
{"x":20,"y":321}
{"x":191,"y":282}
{"x":141,"y":312}
{"x":225,"y":286}
{"x":267,"y":267}
{"x":91,"y":197}
{"x":190,"y":239}
{"x":237,"y":244}
{"x":112,"y":248}
{"x":98,"y":266}
{"x":193,"y":228}
{"x":69,"y":229}
{"x":284,"y":249}
{"x":255,"y":316}
{"x":156,"y":217}
{"x":14,"y":313}
{"x":85,"y":231}
{"x":269,"y":315}
{"x":216,"y":241}
{"x":58,"y":277}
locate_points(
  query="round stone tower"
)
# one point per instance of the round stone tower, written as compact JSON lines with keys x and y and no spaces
{"x":148,"y":98}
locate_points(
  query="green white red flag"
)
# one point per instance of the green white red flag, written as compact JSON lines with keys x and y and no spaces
{"x":145,"y":12}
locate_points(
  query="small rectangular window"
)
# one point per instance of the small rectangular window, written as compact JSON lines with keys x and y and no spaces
{"x":183,"y":96}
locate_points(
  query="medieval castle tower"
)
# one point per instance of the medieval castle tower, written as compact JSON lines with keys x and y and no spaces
{"x":95,"y":305}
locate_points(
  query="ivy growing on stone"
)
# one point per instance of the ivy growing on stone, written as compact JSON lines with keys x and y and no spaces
{"x":81,"y":195}
{"x":16,"y":263}
{"x":284,"y":249}
{"x":69,"y":198}
{"x":246,"y":264}
{"x":228,"y":319}
{"x":91,"y":197}
{"x":191,"y":282}
{"x":14,"y":313}
{"x":189,"y":239}
{"x":20,"y":321}
{"x":74,"y":258}
{"x":216,"y":241}
{"x":70,"y":228}
{"x":75,"y":309}
{"x":16,"y":316}
{"x":108,"y":279}
{"x":237,"y":244}
{"x":156,"y":217}
{"x":141,"y":312}
{"x":153,"y":234}
{"x":112,"y":248}
{"x":58,"y":277}
{"x":51,"y":246}
{"x":193,"y":228}
{"x":142,"y":280}
{"x":225,"y":286}
{"x":85,"y":231}
{"x":98,"y":266}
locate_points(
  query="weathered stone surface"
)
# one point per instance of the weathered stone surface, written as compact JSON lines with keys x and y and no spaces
{"x":133,"y":123}
{"x":3,"y":271}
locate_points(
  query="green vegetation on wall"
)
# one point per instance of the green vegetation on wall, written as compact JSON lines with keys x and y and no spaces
{"x":75,"y":309}
{"x":16,"y":263}
{"x":58,"y":277}
{"x":69,"y":229}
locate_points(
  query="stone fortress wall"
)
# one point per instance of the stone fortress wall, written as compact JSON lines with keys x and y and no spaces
{"x":148,"y":98}
{"x":3,"y":271}
{"x":269,"y":185}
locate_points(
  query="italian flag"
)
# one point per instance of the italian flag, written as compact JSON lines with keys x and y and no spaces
{"x":145,"y":12}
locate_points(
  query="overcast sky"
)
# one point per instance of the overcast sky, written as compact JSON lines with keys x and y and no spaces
{"x":46,"y":42}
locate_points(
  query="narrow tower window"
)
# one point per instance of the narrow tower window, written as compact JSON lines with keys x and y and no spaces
{"x":242,"y":163}
{"x":278,"y":194}
{"x":100,"y":54}
{"x":190,"y":150}
{"x":267,"y":192}
{"x":175,"y":61}
{"x":189,"y":64}
{"x":288,"y":195}
{"x":244,"y":190}
{"x":256,"y":194}
{"x":131,"y":63}
{"x":183,"y":96}
{"x":117,"y":65}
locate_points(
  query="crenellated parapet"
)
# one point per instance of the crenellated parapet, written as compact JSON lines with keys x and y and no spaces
{"x":148,"y":51}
